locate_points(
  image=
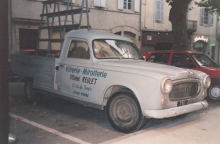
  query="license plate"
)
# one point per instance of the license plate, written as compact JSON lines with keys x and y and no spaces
{"x":186,"y":102}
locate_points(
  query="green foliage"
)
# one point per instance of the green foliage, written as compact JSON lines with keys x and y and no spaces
{"x":212,"y":5}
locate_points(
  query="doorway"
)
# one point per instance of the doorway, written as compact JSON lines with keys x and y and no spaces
{"x":28,"y":38}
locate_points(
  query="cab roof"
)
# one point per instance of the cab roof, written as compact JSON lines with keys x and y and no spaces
{"x":91,"y":35}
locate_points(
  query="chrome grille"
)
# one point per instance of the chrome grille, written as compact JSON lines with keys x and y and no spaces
{"x":183,"y":91}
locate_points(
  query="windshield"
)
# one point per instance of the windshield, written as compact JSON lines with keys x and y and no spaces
{"x":115,"y":49}
{"x":203,"y":60}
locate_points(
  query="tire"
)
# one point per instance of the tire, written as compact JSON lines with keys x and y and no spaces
{"x":124,"y":113}
{"x":214,"y":93}
{"x":29,"y":91}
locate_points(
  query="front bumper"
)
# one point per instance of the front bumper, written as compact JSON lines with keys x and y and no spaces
{"x":172,"y":112}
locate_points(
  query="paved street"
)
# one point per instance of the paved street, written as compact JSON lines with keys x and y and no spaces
{"x":55,"y":121}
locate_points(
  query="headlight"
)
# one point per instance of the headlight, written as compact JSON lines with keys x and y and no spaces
{"x":207,"y":81}
{"x":166,"y":86}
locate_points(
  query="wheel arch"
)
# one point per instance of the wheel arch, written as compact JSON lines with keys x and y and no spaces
{"x":116,"y":88}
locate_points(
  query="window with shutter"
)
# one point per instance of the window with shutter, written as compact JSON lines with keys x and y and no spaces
{"x":206,"y":17}
{"x":133,"y":5}
{"x":127,"y":4}
{"x":159,"y":10}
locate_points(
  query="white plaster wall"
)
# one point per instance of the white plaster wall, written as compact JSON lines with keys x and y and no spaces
{"x":148,"y":15}
{"x":148,"y":23}
{"x":108,"y":18}
{"x":26,"y":9}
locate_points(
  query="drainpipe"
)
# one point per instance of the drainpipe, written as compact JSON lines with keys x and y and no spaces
{"x":10,"y":28}
{"x":140,"y":25}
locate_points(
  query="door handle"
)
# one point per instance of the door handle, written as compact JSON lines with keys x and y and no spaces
{"x":57,"y":68}
{"x":62,"y":66}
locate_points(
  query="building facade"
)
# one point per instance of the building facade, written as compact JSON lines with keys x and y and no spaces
{"x":202,"y":28}
{"x":146,"y":22}
{"x":113,"y":16}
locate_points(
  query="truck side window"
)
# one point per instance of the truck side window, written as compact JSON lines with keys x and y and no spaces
{"x":161,"y":58}
{"x":182,"y":60}
{"x":78,"y":49}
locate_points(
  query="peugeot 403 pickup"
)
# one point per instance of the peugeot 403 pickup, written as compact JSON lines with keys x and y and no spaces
{"x":107,"y":71}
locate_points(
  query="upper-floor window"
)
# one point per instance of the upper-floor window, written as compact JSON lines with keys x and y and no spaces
{"x":206,"y":17}
{"x":127,"y":4}
{"x":133,"y":5}
{"x":159,"y":10}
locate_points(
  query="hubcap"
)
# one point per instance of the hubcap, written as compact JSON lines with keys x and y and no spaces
{"x":215,"y":92}
{"x":124,"y":111}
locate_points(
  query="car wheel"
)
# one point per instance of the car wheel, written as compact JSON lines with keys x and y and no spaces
{"x":29,"y":90}
{"x":214,"y":92}
{"x":124,"y":113}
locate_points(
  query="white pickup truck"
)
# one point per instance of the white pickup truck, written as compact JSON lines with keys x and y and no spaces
{"x":107,"y":71}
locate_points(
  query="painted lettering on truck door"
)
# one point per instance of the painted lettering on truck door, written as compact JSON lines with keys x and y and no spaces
{"x":71,"y":65}
{"x":76,"y":78}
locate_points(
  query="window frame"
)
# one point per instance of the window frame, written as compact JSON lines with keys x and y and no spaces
{"x":126,"y":4}
{"x":134,"y":5}
{"x":206,"y":18}
{"x":159,"y":10}
{"x":87,"y":51}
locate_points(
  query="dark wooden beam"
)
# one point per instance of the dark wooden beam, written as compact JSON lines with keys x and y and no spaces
{"x":4,"y":99}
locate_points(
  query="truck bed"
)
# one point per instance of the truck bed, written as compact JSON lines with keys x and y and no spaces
{"x":40,"y":69}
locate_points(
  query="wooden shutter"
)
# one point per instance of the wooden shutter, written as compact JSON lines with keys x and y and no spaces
{"x":211,"y":18}
{"x":120,"y":4}
{"x":137,"y":5}
{"x":162,"y":9}
{"x":202,"y":10}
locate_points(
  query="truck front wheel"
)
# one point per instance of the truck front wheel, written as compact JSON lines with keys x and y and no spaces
{"x":124,"y":113}
{"x":29,"y":90}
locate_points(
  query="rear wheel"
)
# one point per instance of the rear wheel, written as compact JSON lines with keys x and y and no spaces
{"x":29,"y":90}
{"x":124,"y":113}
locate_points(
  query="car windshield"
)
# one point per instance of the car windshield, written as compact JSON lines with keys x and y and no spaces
{"x":115,"y":49}
{"x":203,"y":60}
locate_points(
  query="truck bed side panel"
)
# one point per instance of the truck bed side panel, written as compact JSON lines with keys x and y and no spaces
{"x":41,"y":69}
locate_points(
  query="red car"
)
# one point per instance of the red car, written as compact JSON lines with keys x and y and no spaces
{"x":191,"y":60}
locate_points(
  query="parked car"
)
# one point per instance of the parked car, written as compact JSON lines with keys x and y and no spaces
{"x":191,"y":60}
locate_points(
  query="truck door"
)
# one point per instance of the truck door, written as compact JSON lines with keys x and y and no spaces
{"x":74,"y":59}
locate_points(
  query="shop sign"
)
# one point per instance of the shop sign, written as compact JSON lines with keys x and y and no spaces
{"x":201,"y":38}
{"x":212,"y":44}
